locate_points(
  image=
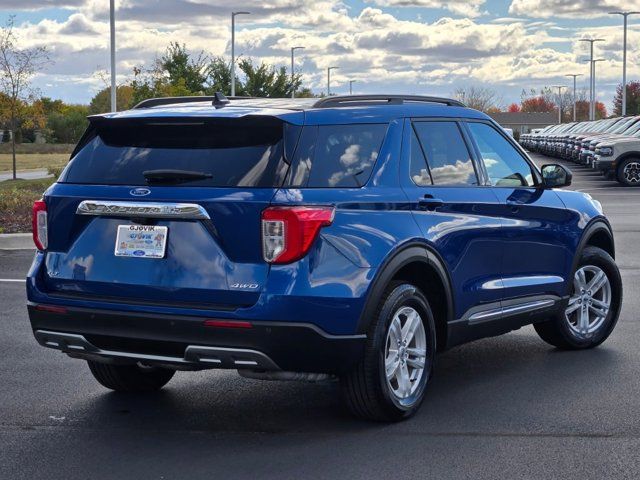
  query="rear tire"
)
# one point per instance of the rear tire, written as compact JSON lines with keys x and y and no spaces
{"x":389,"y":384}
{"x":565,"y":330}
{"x":130,"y":378}
{"x":628,"y":172}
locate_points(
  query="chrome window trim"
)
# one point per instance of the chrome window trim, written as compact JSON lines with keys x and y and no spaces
{"x":188,"y":211}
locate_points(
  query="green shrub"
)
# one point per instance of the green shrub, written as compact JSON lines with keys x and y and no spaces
{"x":67,"y":127}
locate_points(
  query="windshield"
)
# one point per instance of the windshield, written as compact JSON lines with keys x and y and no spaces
{"x":621,"y":126}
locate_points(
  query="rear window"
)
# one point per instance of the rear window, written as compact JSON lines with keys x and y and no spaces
{"x":230,"y":152}
{"x":336,"y":156}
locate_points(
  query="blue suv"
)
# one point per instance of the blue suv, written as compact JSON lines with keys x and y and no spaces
{"x":344,"y":238}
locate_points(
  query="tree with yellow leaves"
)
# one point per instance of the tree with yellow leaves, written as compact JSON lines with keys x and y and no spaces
{"x":17,"y":68}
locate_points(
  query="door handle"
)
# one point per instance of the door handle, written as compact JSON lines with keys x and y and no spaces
{"x":428,"y":202}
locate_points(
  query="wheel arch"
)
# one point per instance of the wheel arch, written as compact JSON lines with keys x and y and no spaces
{"x":625,"y":155}
{"x":420,"y":265}
{"x":597,"y":234}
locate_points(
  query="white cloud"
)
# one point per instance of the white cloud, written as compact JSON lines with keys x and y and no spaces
{"x":370,"y":45}
{"x":467,"y":8}
{"x":570,"y":8}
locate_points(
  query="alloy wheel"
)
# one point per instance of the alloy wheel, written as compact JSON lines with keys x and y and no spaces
{"x":631,"y":172}
{"x":590,"y":303}
{"x":405,"y":352}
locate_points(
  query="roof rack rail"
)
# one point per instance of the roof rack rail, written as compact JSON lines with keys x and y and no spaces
{"x":359,"y":100}
{"x":218,"y":100}
{"x":156,"y":102}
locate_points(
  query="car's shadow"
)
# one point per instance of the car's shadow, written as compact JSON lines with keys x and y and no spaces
{"x":486,"y":401}
{"x":483,"y":386}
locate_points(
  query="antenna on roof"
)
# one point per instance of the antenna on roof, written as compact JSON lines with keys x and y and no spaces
{"x":219,"y":100}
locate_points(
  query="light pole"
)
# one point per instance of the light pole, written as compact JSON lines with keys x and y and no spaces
{"x":559,"y":87}
{"x":233,"y":50}
{"x":329,"y":79}
{"x":351,"y":82}
{"x":592,"y":109}
{"x":293,"y":88}
{"x":594,"y":84}
{"x":574,"y":75}
{"x":624,"y":59}
{"x":112,"y":26}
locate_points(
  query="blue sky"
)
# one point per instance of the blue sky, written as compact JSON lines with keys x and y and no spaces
{"x":395,"y":46}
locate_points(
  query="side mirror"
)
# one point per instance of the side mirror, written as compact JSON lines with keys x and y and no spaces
{"x":556,"y":176}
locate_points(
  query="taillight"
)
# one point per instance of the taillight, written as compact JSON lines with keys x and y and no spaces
{"x":289,"y":232}
{"x":39,"y":225}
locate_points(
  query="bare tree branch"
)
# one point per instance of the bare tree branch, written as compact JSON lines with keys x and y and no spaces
{"x":480,"y":98}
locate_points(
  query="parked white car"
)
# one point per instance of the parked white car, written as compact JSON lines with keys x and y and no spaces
{"x":619,"y":158}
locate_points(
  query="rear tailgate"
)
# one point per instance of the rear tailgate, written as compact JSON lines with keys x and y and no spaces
{"x":195,"y":243}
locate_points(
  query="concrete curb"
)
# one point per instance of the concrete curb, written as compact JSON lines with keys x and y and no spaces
{"x":16,"y":241}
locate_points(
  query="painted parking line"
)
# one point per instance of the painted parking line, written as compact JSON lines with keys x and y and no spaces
{"x":13,"y":280}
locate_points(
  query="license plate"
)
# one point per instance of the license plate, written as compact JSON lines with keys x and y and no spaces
{"x":142,"y":241}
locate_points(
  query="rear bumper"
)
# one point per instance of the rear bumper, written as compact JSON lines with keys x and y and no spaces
{"x":187,"y":343}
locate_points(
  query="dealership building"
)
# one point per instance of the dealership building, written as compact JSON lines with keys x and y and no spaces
{"x":521,"y":122}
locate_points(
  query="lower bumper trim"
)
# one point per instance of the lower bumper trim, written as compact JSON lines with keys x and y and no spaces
{"x":186,"y":341}
{"x":198,"y":356}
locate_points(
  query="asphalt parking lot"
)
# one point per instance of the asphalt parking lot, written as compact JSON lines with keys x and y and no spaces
{"x":506,"y":407}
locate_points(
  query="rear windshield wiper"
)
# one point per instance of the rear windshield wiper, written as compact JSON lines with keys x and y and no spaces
{"x":174,"y":176}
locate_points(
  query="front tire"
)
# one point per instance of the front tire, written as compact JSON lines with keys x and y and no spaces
{"x":593,"y":308}
{"x":628,"y":172}
{"x":130,"y":378}
{"x":390,"y":381}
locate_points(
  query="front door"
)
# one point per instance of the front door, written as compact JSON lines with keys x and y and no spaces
{"x":537,"y":254}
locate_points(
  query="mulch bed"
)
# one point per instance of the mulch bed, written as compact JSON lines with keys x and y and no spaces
{"x":16,"y":202}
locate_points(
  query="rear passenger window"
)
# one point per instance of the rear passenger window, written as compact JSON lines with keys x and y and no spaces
{"x":419,"y":170}
{"x":446,"y":152}
{"x":337,"y":156}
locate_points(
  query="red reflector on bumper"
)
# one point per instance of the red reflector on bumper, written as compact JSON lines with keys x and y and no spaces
{"x":227,"y":324}
{"x":52,"y":309}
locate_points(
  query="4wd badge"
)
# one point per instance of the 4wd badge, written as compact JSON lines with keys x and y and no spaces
{"x":245,"y":286}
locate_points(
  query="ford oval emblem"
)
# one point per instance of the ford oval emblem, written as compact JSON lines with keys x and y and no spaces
{"x":139,"y":192}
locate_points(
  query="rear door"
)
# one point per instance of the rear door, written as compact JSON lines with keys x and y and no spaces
{"x":457,"y":215}
{"x":191,"y":191}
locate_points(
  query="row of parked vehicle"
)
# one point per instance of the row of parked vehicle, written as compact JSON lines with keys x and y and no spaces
{"x":611,"y":146}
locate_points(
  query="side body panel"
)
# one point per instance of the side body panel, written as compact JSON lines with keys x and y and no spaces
{"x":538,"y":246}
